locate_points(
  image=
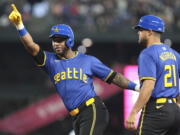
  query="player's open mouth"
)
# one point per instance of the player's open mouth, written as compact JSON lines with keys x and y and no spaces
{"x":58,"y":49}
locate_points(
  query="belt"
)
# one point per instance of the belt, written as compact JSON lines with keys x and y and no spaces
{"x":87,"y":103}
{"x":166,"y":100}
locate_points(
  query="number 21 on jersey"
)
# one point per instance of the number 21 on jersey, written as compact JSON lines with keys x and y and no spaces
{"x":171,"y":75}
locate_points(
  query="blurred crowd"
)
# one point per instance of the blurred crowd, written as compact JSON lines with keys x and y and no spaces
{"x":97,"y":15}
{"x":21,"y":82}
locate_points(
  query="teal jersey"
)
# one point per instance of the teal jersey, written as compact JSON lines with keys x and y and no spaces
{"x":162,"y":64}
{"x":73,"y":77}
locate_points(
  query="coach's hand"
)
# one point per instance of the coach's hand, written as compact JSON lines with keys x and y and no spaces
{"x":15,"y":16}
{"x":131,"y":121}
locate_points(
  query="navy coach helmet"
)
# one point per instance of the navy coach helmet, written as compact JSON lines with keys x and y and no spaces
{"x":151,"y":22}
{"x":64,"y":31}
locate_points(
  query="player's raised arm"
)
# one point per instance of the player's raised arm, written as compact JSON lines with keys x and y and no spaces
{"x":16,"y":19}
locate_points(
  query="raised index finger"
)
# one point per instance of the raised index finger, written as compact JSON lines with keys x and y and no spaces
{"x":14,"y":7}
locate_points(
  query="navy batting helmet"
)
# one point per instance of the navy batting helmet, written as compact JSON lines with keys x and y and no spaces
{"x":151,"y":22}
{"x":64,"y":31}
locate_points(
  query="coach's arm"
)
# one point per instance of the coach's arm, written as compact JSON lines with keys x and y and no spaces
{"x":30,"y":45}
{"x":144,"y":96}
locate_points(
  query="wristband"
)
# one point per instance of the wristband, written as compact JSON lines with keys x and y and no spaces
{"x":22,"y":32}
{"x":131,"y":85}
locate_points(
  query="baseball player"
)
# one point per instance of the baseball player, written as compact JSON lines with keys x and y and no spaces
{"x":159,"y":68}
{"x":71,"y":73}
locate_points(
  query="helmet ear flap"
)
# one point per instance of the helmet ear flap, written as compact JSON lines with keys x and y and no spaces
{"x":69,"y":42}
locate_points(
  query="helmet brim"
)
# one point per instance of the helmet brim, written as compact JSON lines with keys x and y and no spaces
{"x":137,"y":27}
{"x":58,"y":36}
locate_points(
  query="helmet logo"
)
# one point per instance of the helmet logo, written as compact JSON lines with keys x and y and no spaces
{"x":56,"y":30}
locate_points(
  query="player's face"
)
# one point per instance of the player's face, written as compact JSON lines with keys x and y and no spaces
{"x":59,"y":46}
{"x":142,"y":37}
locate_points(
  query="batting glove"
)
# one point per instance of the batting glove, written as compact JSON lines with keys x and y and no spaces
{"x":15,"y":18}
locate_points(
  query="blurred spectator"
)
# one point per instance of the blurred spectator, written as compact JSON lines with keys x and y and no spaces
{"x":38,"y":8}
{"x":3,"y":16}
